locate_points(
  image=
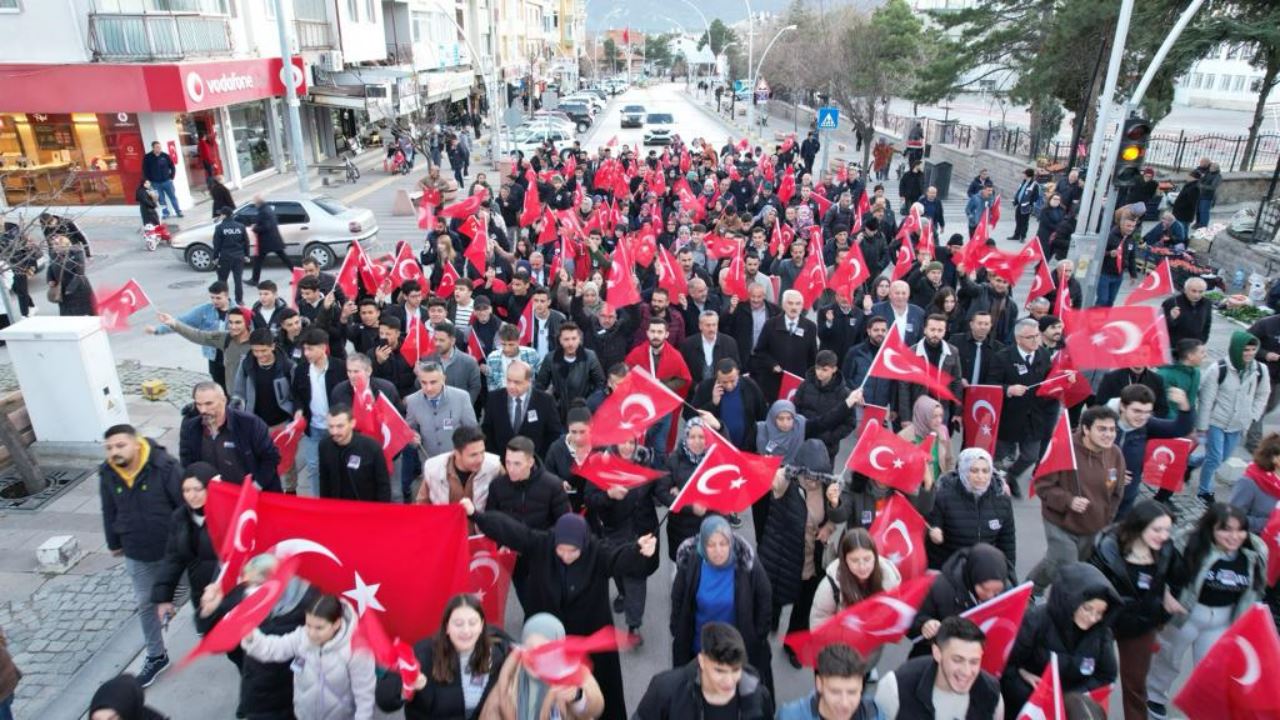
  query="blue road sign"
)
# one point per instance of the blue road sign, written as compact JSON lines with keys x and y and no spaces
{"x":828,"y":118}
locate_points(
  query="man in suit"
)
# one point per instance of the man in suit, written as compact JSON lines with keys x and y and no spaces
{"x":789,"y":342}
{"x":734,"y":399}
{"x":460,"y":369}
{"x":745,"y":321}
{"x":704,"y":351}
{"x":700,"y":300}
{"x":313,"y":384}
{"x":546,"y":324}
{"x":1023,"y":417}
{"x":977,"y":350}
{"x":904,"y":318}
{"x":518,"y":409}
{"x":410,"y":305}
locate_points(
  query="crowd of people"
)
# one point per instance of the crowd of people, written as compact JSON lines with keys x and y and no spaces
{"x":500,"y":355}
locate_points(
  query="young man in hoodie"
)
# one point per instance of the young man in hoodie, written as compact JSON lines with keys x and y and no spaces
{"x":1076,"y":504}
{"x":1233,"y":395}
{"x":717,"y":683}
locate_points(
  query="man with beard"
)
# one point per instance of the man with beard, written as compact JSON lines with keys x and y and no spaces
{"x":840,"y":325}
{"x":608,"y":334}
{"x":1051,"y":334}
{"x":659,"y":307}
{"x":663,"y":361}
{"x":351,"y":464}
{"x":874,"y":391}
{"x":992,"y":296}
{"x":977,"y":350}
{"x":702,"y":352}
{"x":942,"y":358}
{"x":950,"y":684}
{"x":236,"y":442}
{"x":737,"y":401}
{"x":788,"y":343}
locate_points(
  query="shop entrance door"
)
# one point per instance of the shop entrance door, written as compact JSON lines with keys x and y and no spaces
{"x":201,"y":148}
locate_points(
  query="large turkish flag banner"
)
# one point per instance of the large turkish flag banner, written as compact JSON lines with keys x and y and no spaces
{"x":1230,"y":681}
{"x":1000,"y":618}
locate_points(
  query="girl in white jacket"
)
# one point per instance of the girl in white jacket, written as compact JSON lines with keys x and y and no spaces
{"x":330,"y":680}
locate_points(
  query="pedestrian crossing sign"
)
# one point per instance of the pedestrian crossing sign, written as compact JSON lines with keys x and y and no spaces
{"x":828,"y":118}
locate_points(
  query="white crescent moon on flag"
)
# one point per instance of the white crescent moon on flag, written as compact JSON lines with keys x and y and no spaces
{"x":904,"y":613}
{"x":402,"y":268}
{"x":130,"y":298}
{"x":857,"y":267}
{"x":1150,"y":282}
{"x":704,"y":485}
{"x":982,"y":404}
{"x":621,"y":477}
{"x":300,"y":546}
{"x":1155,"y":455}
{"x":1035,"y":283}
{"x":386,"y":436}
{"x":241,"y":522}
{"x":487,"y":562}
{"x":644,"y":402}
{"x":889,"y":361}
{"x":1252,"y":665}
{"x":901,"y":528}
{"x":1129,"y":331}
{"x":875,"y":452}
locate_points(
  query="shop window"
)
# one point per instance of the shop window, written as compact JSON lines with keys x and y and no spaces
{"x":290,"y":213}
{"x":249,"y":123}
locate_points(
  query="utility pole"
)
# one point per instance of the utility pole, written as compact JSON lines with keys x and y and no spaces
{"x":291,"y":101}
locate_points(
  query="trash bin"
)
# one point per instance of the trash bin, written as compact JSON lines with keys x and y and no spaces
{"x":938,"y":175}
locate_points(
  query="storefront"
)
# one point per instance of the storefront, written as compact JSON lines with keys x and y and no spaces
{"x":77,"y":134}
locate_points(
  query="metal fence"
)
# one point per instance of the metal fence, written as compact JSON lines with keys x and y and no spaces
{"x":158,"y":37}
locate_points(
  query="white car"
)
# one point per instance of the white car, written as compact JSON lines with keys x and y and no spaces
{"x":528,"y":141}
{"x":658,"y":128}
{"x":633,"y":116}
{"x":312,"y":226}
{"x":589,"y":98}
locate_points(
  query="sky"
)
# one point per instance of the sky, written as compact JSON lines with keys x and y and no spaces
{"x":642,"y":15}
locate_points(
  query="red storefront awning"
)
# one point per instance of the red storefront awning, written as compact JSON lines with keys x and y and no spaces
{"x":173,"y":87}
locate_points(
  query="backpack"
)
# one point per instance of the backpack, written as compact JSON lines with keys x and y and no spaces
{"x":1225,"y":365}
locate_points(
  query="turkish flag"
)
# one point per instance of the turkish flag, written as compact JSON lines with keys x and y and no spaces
{"x":878,"y":620}
{"x":781,"y":237}
{"x":622,"y":288}
{"x":812,"y":279}
{"x":466,"y":206}
{"x":414,"y":342}
{"x":1008,"y":265}
{"x":735,"y":278}
{"x":1165,"y":464}
{"x":294,"y":276}
{"x":1046,"y":701}
{"x":1000,"y":618}
{"x":823,"y":203}
{"x":787,"y":187}
{"x":1041,"y":283}
{"x":394,"y":432}
{"x":1118,"y":337}
{"x":895,"y":361}
{"x":525,"y":324}
{"x":363,"y":407}
{"x":719,"y":246}
{"x":1062,"y":301}
{"x":789,"y":385}
{"x":349,"y":273}
{"x":903,"y":260}
{"x":550,"y":227}
{"x":888,"y":459}
{"x":478,"y":248}
{"x":474,"y":348}
{"x":431,"y":199}
{"x":566,"y":661}
{"x":238,"y":546}
{"x":116,"y":307}
{"x":286,"y":440}
{"x":899,"y":534}
{"x":531,"y":208}
{"x":1059,"y":453}
{"x":993,"y":214}
{"x":872,"y":415}
{"x":403,"y":560}
{"x":1064,"y":382}
{"x":1271,"y":535}
{"x":397,"y":654}
{"x":1232,"y":679}
{"x":490,"y":576}
{"x":743,"y":144}
{"x":1157,"y":284}
{"x":606,"y":470}
{"x":406,"y":268}
{"x":247,"y":615}
{"x":850,"y":273}
{"x":727,"y":480}
{"x":982,"y":406}
{"x":670,"y":277}
{"x":637,"y":403}
{"x":449,"y":279}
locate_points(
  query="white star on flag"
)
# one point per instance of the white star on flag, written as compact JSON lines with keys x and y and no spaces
{"x":985,"y":429}
{"x":898,"y":464}
{"x":737,"y":483}
{"x":365,"y":596}
{"x":1097,"y":338}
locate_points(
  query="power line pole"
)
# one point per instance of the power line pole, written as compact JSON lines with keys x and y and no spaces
{"x":291,"y":100}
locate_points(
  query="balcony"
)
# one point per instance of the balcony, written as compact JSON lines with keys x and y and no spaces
{"x":399,"y":54}
{"x":158,"y":36}
{"x":313,"y":34}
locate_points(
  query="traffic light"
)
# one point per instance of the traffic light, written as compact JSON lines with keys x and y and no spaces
{"x":1133,"y":152}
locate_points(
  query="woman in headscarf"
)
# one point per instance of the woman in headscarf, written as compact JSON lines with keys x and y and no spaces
{"x":519,"y":695}
{"x":121,"y":698}
{"x":781,"y":433}
{"x":189,"y":549}
{"x":804,"y":508}
{"x":972,"y":575}
{"x":1076,"y":625}
{"x":680,"y":466}
{"x":857,"y":573}
{"x":569,"y":574}
{"x":971,"y":506}
{"x":719,"y":579}
{"x":928,"y":418}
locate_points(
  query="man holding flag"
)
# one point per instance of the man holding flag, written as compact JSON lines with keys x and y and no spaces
{"x":949,"y":684}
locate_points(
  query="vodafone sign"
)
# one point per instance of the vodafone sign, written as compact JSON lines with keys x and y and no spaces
{"x":214,"y":84}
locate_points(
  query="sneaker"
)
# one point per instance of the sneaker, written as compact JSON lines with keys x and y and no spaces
{"x":152,"y":669}
{"x":637,"y":639}
{"x":619,"y":605}
{"x":735,"y":521}
{"x":1207,"y":497}
{"x":1156,"y":711}
{"x":1014,"y":490}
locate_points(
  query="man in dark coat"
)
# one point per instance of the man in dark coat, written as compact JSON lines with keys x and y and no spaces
{"x":237,"y":443}
{"x":1189,"y":315}
{"x":569,"y":574}
{"x":140,"y":487}
{"x":66,"y":270}
{"x":788,"y":343}
{"x":745,"y":321}
{"x":977,"y":349}
{"x":904,"y":318}
{"x":995,"y":297}
{"x":955,"y":668}
{"x":519,"y":409}
{"x":351,"y":464}
{"x":703,"y":351}
{"x":1023,"y":417}
{"x":525,"y":490}
{"x":230,"y":247}
{"x":267,"y":228}
{"x":943,"y":359}
{"x":219,"y":195}
{"x":718,"y":677}
{"x":736,"y":400}
{"x":825,"y":403}
{"x":874,"y":391}
{"x":608,"y":334}
{"x":570,"y":371}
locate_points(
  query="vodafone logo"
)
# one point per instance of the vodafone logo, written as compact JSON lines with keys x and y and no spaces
{"x":227,"y":82}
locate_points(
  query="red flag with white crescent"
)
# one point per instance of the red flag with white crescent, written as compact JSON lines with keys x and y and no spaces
{"x":982,"y":406}
{"x":415,"y":343}
{"x":449,"y":279}
{"x":294,"y":276}
{"x":1000,"y":618}
{"x":466,"y":206}
{"x":622,"y":289}
{"x":872,"y":415}
{"x":1157,"y":284}
{"x":1008,"y":265}
{"x":895,"y":361}
{"x":116,"y":307}
{"x":566,"y":662}
{"x":1165,"y":464}
{"x":719,"y":246}
{"x":1064,"y":382}
{"x":606,"y":470}
{"x":393,"y":432}
{"x":1041,"y":284}
{"x":478,"y":248}
{"x":406,"y":268}
{"x":239,"y":544}
{"x":363,"y":406}
{"x":1232,"y":680}
{"x":899,"y":534}
{"x":396,"y":655}
{"x":787,"y":187}
{"x":734,"y":283}
{"x":431,"y":199}
{"x":349,"y":273}
{"x":670,"y":277}
{"x":636,"y":404}
{"x":1059,"y":453}
{"x":889,"y":460}
{"x":993,"y":216}
{"x":823,"y":203}
{"x":474,"y":349}
{"x":903,"y":260}
{"x":247,"y":615}
{"x":1118,"y":337}
{"x":812,"y":279}
{"x":1046,"y":702}
{"x":864,"y":204}
{"x":491,"y":568}
{"x":788,"y":386}
{"x":1271,"y":535}
{"x":286,"y":440}
{"x":850,"y":272}
{"x":727,"y":480}
{"x":881,"y":619}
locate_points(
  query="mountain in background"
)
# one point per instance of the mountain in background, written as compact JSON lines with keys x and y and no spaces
{"x":641,"y":15}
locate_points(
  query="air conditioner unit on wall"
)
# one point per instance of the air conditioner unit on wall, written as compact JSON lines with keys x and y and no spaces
{"x":331,"y":61}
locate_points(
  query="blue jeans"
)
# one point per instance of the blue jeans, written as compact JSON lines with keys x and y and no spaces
{"x":1108,"y":288}
{"x":1219,"y":444}
{"x":1202,"y":210}
{"x":656,"y":438}
{"x":168,"y":197}
{"x":309,"y":473}
{"x":6,"y":708}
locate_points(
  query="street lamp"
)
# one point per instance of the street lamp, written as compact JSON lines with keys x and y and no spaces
{"x":706,"y":25}
{"x":751,"y":102}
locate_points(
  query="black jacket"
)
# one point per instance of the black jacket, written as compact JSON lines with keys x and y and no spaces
{"x":916,"y":678}
{"x":220,"y":197}
{"x":230,"y":241}
{"x":952,"y":590}
{"x":676,"y":694}
{"x":1086,"y":659}
{"x":695,"y":359}
{"x":752,"y":602}
{"x":966,"y":520}
{"x":1193,"y":321}
{"x":843,"y":331}
{"x":793,"y":352}
{"x":569,"y":381}
{"x":967,"y":348}
{"x":335,"y":374}
{"x":537,"y":502}
{"x":541,"y":421}
{"x":259,"y":456}
{"x":190,"y":551}
{"x":1117,"y":380}
{"x":622,"y":520}
{"x":438,"y":701}
{"x":266,"y":689}
{"x":267,"y":228}
{"x":827,"y":417}
{"x":68,"y":271}
{"x":1142,"y":602}
{"x":684,"y":524}
{"x":355,"y":471}
{"x":1126,"y":247}
{"x":975,"y":297}
{"x":136,"y":518}
{"x":1025,"y":416}
{"x":737,"y":324}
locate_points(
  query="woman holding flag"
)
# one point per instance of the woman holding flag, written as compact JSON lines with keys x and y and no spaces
{"x":857,"y":573}
{"x":189,"y":550}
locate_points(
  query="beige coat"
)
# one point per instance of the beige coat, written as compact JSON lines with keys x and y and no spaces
{"x":435,"y":480}
{"x":825,"y":603}
{"x":502,"y":701}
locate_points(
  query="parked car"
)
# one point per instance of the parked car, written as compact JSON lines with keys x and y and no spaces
{"x":580,"y":112}
{"x":658,"y":128}
{"x":633,"y":116}
{"x":557,"y":116}
{"x":586,"y":97}
{"x":548,"y":122}
{"x":529,"y":140}
{"x":312,"y":226}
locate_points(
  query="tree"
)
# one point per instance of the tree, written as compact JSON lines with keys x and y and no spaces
{"x":658,"y":50}
{"x":788,"y":69}
{"x":721,"y":35}
{"x":611,"y":54}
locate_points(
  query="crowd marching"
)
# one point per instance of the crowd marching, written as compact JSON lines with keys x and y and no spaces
{"x":589,"y":346}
